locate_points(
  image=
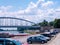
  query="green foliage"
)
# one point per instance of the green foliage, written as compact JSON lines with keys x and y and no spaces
{"x":57,"y":23}
{"x":51,"y":23}
{"x":44,"y":23}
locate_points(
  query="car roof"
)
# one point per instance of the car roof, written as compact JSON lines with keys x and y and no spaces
{"x":35,"y":35}
{"x":47,"y":32}
{"x":7,"y":39}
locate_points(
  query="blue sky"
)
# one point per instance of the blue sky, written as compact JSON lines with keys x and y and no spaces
{"x":30,"y":9}
{"x":22,"y":3}
{"x":16,"y":3}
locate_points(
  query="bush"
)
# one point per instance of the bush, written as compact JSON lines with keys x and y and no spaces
{"x":57,"y":23}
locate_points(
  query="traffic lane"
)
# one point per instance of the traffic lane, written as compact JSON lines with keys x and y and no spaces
{"x":48,"y":43}
{"x":23,"y":39}
{"x":38,"y":44}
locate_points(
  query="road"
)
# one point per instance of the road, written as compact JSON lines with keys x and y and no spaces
{"x":54,"y":41}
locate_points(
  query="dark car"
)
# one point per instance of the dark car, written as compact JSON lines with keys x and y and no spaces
{"x":56,"y":31}
{"x":53,"y":33}
{"x":47,"y":35}
{"x":5,"y":35}
{"x":36,"y":39}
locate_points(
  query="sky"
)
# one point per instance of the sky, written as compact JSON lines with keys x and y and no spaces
{"x":32,"y":10}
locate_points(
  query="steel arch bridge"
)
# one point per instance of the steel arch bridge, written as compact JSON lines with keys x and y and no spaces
{"x":9,"y":22}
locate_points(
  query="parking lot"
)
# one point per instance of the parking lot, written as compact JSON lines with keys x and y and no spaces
{"x":54,"y":41}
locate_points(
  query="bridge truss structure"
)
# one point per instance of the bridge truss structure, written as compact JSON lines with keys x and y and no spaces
{"x":18,"y":23}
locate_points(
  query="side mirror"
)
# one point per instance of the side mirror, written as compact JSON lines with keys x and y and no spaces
{"x":1,"y":44}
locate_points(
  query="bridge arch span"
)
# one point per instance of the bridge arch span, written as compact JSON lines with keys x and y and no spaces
{"x":17,"y":24}
{"x":12,"y":21}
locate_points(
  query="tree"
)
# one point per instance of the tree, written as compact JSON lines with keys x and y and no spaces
{"x":44,"y":23}
{"x":51,"y":23}
{"x":57,"y":23}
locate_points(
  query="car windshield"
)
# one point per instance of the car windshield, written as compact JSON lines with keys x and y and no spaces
{"x":41,"y":36}
{"x":17,"y":42}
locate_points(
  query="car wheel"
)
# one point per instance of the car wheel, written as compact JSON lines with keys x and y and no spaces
{"x":42,"y":42}
{"x":30,"y":42}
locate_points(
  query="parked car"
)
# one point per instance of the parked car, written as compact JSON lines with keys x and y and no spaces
{"x":5,"y":35}
{"x":36,"y":39}
{"x":53,"y":33}
{"x":47,"y":35}
{"x":47,"y":38}
{"x":7,"y":41}
{"x":56,"y":31}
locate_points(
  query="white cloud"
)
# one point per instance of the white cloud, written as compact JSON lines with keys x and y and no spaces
{"x":35,"y":12}
{"x":47,"y":4}
{"x":5,"y":8}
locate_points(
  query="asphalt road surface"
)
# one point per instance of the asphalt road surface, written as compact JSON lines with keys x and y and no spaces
{"x":54,"y":41}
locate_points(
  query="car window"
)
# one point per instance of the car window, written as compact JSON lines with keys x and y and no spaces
{"x":1,"y":42}
{"x":41,"y":37}
{"x":38,"y":37}
{"x":30,"y":37}
{"x":7,"y":42}
{"x":35,"y":37}
{"x":45,"y":34}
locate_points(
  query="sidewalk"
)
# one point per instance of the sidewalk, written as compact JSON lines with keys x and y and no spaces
{"x":56,"y":41}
